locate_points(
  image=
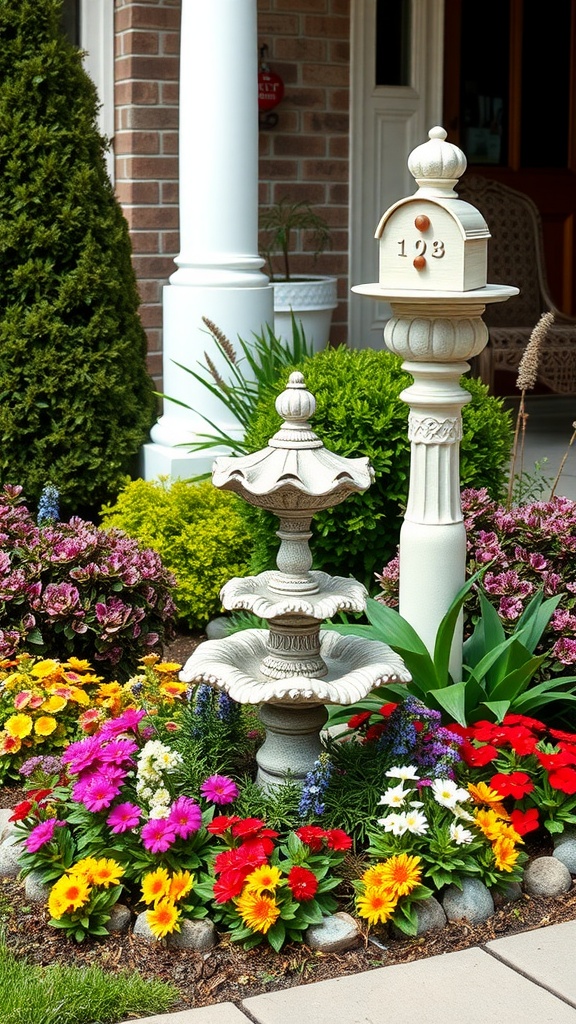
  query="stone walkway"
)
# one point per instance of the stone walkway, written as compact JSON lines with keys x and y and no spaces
{"x":526,"y":977}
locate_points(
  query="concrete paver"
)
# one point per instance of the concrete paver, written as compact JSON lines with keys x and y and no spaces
{"x":546,"y":955}
{"x":468,"y":986}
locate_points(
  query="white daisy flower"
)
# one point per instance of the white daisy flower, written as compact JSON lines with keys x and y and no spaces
{"x":394,"y":823}
{"x":416,"y":822}
{"x":459,"y":834}
{"x":394,"y":797}
{"x":405,"y":772}
{"x":447,"y":793}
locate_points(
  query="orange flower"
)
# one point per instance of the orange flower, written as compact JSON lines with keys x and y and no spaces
{"x":257,"y":912}
{"x":505,"y":853}
{"x":400,"y":874}
{"x":481,"y":793}
{"x":180,"y":885}
{"x":492,"y":825}
{"x":376,"y":905}
{"x":164,"y":918}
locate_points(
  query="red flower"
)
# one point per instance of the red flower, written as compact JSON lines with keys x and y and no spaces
{"x":516,"y":784}
{"x":387,"y":709}
{"x":302,"y":883}
{"x":374,"y":732}
{"x":477,"y":757}
{"x":551,"y":762}
{"x":221,"y":823}
{"x":21,"y":810}
{"x":337,"y":839}
{"x":360,"y":719}
{"x":521,"y":740}
{"x":524,"y":720}
{"x":38,"y":795}
{"x":460,"y":730}
{"x":559,"y":734}
{"x":484,"y":731}
{"x":524,"y":821}
{"x":245,"y":828}
{"x":230,"y":884}
{"x":313,"y":836}
{"x":563,"y":779}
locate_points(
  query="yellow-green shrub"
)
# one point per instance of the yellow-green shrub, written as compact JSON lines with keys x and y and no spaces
{"x":197,"y":530}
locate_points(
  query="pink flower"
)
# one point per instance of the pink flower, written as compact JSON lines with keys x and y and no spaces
{"x":99,"y":793}
{"x":185,"y":817}
{"x":83,"y":754}
{"x":42,"y":834}
{"x":158,"y":834}
{"x":219,"y":789}
{"x":128,"y":721}
{"x":565,"y":650}
{"x":124,"y":817}
{"x":119,"y":751}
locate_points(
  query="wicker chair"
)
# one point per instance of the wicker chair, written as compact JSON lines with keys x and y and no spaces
{"x":516,"y":256}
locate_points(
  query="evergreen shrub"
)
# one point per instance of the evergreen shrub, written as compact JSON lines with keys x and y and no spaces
{"x":359,"y":412}
{"x":198,"y":532}
{"x":76,"y":401}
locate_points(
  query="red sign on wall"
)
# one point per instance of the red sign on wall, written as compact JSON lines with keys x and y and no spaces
{"x":270,"y":90}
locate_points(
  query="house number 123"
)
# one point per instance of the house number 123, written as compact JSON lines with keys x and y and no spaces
{"x":436,"y":248}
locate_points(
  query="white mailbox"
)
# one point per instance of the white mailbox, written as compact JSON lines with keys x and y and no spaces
{"x":433,"y":240}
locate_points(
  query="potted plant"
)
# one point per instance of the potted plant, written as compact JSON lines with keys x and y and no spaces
{"x":311,"y":299}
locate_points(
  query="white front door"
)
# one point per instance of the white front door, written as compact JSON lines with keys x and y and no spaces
{"x":387,"y":122}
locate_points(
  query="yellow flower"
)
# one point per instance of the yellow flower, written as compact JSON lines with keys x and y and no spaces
{"x":168,"y":666}
{"x":45,"y":725}
{"x":44,"y":668}
{"x":376,"y":905}
{"x":180,"y":885}
{"x":85,"y":869}
{"x":54,"y":703}
{"x":482,"y":793}
{"x":56,"y":904}
{"x":9,"y":744}
{"x":172,"y":688}
{"x":107,"y":872}
{"x":264,"y":878}
{"x":372,"y":877}
{"x":505,"y":853}
{"x":400,"y":874}
{"x":78,"y":664}
{"x":257,"y":912}
{"x":78,"y":695}
{"x":150,"y":660}
{"x":109,"y":690}
{"x":155,"y":885}
{"x":490,"y":823}
{"x":73,"y":891}
{"x":164,"y":918}
{"x":18,"y":726}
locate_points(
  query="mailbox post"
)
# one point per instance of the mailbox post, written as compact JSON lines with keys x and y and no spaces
{"x":433,"y":258}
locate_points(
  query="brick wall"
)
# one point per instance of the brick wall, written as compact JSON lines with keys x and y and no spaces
{"x":147,"y":34}
{"x":306,"y":155}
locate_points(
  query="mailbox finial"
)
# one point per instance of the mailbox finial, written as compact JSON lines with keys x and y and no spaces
{"x":437,"y":165}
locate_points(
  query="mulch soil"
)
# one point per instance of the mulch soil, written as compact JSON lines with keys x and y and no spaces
{"x":228,"y":973}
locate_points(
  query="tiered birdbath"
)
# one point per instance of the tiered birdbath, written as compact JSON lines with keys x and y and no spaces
{"x":293,"y":668}
{"x":433,"y":260}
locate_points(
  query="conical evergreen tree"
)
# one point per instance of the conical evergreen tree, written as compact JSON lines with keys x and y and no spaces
{"x":75,"y":398}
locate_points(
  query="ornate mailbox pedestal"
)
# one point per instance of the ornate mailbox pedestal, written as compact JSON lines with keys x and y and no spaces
{"x":433,"y":250}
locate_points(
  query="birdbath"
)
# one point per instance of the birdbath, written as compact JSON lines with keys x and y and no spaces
{"x":293,"y":668}
{"x":433,"y":260}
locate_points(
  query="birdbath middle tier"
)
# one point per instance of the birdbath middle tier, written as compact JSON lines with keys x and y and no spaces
{"x":294,"y":667}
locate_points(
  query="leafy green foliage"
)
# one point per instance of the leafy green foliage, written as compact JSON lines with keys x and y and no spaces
{"x":198,"y":532}
{"x":359,"y":412}
{"x":498,"y":670}
{"x":75,"y":398}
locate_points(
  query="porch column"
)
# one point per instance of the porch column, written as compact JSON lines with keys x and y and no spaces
{"x":218,"y":272}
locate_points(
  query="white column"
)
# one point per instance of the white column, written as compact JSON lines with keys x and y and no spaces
{"x":219,"y":270}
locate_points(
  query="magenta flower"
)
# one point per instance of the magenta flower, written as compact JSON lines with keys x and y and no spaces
{"x":84,"y":754}
{"x":41,"y":834}
{"x":128,"y":721}
{"x":99,"y":794}
{"x":124,"y":817}
{"x":119,"y":751}
{"x":219,"y":789}
{"x":158,"y":834}
{"x":185,"y":817}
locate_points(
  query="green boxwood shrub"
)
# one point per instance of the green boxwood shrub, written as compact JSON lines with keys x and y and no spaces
{"x":76,"y":401}
{"x":197,"y":530}
{"x":359,"y":412}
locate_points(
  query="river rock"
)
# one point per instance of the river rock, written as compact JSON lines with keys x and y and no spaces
{"x":547,"y":876}
{"x":6,"y":826}
{"x":336,"y":933}
{"x":199,"y":935}
{"x":218,"y":628}
{"x":566,"y":853}
{"x":120,"y":918}
{"x":36,"y":890}
{"x":473,"y":902}
{"x":10,"y":850}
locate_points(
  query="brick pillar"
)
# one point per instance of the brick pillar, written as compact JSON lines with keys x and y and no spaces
{"x":147,"y":35}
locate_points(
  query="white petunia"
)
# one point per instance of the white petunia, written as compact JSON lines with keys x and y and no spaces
{"x":394,"y":823}
{"x":459,"y":834}
{"x":405,"y":772}
{"x":447,"y":793}
{"x":395,"y":796}
{"x":416,"y":822}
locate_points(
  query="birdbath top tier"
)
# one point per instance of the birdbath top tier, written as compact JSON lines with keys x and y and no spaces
{"x":294,"y":477}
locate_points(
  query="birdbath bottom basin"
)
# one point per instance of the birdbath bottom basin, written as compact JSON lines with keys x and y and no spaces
{"x":293,"y":711}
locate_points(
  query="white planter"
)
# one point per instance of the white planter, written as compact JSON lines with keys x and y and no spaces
{"x":311,"y":300}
